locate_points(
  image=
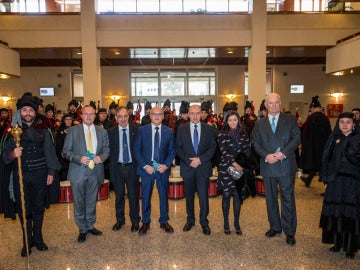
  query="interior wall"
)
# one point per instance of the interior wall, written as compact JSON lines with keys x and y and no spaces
{"x":230,"y":79}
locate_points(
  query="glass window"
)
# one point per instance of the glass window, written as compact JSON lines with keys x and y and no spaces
{"x":194,"y":5}
{"x":77,"y":84}
{"x":148,"y":6}
{"x":201,"y":83}
{"x":144,"y":84}
{"x":238,"y":5}
{"x":216,"y":5}
{"x":105,"y":6}
{"x":171,"y":6}
{"x":172,"y":83}
{"x":125,"y":5}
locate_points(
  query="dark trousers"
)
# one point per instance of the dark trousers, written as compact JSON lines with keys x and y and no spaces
{"x":226,"y":196}
{"x":34,"y":194}
{"x":120,"y":176}
{"x":199,"y":183}
{"x":162,"y":184}
{"x":288,"y":220}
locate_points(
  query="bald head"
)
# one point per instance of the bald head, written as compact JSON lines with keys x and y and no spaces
{"x":273,"y":103}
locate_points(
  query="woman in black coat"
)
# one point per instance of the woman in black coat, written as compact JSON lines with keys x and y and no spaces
{"x":232,"y":141}
{"x":340,"y":216}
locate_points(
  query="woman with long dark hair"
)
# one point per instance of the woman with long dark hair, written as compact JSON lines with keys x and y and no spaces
{"x":232,"y":141}
{"x":340,"y":216}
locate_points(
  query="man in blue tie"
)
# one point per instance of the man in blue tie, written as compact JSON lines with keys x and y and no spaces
{"x":123,"y":169}
{"x":195,"y":146}
{"x":275,"y":140}
{"x":154,"y":152}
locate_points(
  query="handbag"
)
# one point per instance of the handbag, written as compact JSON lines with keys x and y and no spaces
{"x":236,"y":175}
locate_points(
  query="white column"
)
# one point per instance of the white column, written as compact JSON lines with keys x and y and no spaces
{"x":257,"y":54}
{"x":90,"y":53}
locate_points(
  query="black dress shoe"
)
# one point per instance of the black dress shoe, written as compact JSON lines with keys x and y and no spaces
{"x":166,"y":226}
{"x":206,"y":230}
{"x":95,"y":231}
{"x":335,"y":249}
{"x":40,"y":246}
{"x":238,"y":232}
{"x":290,"y":239}
{"x":117,"y":226}
{"x":227,"y":232}
{"x":23,"y":252}
{"x":350,"y":255}
{"x":144,"y":228}
{"x":135,"y":227}
{"x":272,"y":233}
{"x":188,"y":226}
{"x":82,"y":237}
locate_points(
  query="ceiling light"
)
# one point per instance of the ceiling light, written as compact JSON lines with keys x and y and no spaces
{"x":79,"y":53}
{"x":117,"y":53}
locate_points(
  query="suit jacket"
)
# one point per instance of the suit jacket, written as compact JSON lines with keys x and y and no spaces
{"x":185,"y":149}
{"x":143,"y":148}
{"x":286,"y":137}
{"x":75,"y":148}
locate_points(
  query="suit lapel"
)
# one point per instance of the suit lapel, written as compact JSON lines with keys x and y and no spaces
{"x":98,"y":139}
{"x":82,"y":137}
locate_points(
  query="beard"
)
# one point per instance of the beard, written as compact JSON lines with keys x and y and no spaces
{"x":28,"y":119}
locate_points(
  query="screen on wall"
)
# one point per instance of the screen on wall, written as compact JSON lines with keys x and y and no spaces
{"x":47,"y":91}
{"x":297,"y":89}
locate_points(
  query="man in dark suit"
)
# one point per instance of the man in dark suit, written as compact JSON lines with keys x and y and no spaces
{"x":195,"y":146}
{"x":154,"y":153}
{"x":86,"y":147}
{"x":123,"y":168}
{"x":275,"y":140}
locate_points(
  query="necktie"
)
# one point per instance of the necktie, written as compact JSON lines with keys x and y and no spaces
{"x":91,"y":164}
{"x":196,"y":139}
{"x":157,"y":145}
{"x":273,"y":127}
{"x":125,"y":148}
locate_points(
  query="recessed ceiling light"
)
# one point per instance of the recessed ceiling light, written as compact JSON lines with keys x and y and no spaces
{"x":117,"y":53}
{"x":79,"y":53}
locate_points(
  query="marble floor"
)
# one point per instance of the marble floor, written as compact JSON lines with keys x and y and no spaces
{"x":191,"y":250}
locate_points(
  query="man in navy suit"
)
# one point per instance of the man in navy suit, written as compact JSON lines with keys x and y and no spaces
{"x":154,"y":153}
{"x":123,"y":168}
{"x":275,"y":140}
{"x":195,"y":146}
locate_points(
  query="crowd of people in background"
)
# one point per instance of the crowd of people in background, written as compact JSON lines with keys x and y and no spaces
{"x":77,"y":146}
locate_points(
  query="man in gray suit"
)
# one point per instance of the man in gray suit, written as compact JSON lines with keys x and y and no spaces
{"x":86,"y":147}
{"x":275,"y":139}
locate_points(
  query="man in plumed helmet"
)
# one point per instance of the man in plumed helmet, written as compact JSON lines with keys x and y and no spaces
{"x":112,"y":112}
{"x":169,"y":116}
{"x":315,"y":132}
{"x":102,"y":119}
{"x":72,"y":110}
{"x":39,"y":164}
{"x":50,"y":114}
{"x":249,"y":118}
{"x":146,"y":118}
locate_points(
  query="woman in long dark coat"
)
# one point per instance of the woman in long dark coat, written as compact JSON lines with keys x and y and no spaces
{"x":232,"y":140}
{"x":340,"y":216}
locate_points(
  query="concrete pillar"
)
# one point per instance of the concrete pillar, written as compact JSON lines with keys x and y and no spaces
{"x":257,"y":54}
{"x":90,"y":53}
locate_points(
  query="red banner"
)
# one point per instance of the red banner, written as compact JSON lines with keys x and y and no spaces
{"x":333,"y":110}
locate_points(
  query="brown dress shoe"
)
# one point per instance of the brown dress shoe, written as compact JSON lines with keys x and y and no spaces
{"x":166,"y":226}
{"x":144,"y":228}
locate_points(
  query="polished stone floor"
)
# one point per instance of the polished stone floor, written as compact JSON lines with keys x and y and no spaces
{"x":191,"y":250}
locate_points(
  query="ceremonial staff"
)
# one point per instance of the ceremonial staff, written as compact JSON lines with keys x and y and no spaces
{"x":16,"y":132}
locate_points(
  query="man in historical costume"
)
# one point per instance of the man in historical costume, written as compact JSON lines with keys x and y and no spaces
{"x":112,"y":112}
{"x":249,"y":118}
{"x":72,"y":110}
{"x":39,"y":164}
{"x":146,"y":118}
{"x":356,"y":113}
{"x":315,"y":132}
{"x":102,"y":119}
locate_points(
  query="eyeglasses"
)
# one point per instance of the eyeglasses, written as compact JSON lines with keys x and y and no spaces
{"x":157,"y":114}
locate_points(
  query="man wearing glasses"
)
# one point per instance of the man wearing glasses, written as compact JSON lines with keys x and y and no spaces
{"x":86,"y":147}
{"x":154,"y":153}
